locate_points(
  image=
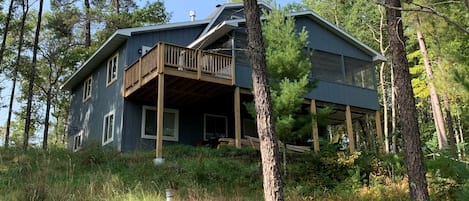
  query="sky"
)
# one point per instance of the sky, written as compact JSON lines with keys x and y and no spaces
{"x":203,"y":8}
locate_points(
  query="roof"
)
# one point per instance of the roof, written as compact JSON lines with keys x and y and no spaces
{"x":114,"y":42}
{"x":377,"y":57}
{"x":208,"y":36}
{"x":215,"y":33}
{"x":220,"y":8}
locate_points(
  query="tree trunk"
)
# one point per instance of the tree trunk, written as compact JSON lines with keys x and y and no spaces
{"x":87,"y":24}
{"x":15,"y":72}
{"x":272,"y":181}
{"x":461,"y":136}
{"x":32,"y":74}
{"x":46,"y":119}
{"x":393,"y":114}
{"x":435,"y":101}
{"x":406,"y":104}
{"x":6,"y":29}
{"x":382,"y":79}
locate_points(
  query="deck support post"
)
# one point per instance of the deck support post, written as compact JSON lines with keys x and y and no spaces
{"x":159,"y":116}
{"x":314,"y":126}
{"x":348,"y":121}
{"x":237,"y":117}
{"x":379,"y":131}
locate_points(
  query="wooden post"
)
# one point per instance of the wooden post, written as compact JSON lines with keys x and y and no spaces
{"x":379,"y":131}
{"x":348,"y":121}
{"x":315,"y":126}
{"x":159,"y":117}
{"x":161,"y":57}
{"x":199,"y":64}
{"x":233,"y":71}
{"x":237,"y":116}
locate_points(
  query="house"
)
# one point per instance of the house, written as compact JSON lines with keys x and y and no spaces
{"x":186,"y":82}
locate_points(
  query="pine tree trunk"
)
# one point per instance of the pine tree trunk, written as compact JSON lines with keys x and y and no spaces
{"x":32,"y":74}
{"x":15,"y":72}
{"x":393,"y":114}
{"x":46,"y":119}
{"x":87,"y":24}
{"x":406,"y":104}
{"x":273,"y":190}
{"x":435,"y":101}
{"x":6,"y":29}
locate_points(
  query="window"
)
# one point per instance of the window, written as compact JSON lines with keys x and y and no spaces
{"x":77,"y":141}
{"x":170,"y":123}
{"x":215,"y":126}
{"x":249,"y":128}
{"x":108,"y":128}
{"x":87,"y":87}
{"x":112,"y":69}
{"x":327,"y":66}
{"x":359,"y":73}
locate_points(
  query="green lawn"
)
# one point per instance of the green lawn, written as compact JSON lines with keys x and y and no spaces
{"x":197,"y":173}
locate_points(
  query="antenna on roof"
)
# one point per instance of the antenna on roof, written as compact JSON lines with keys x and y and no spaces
{"x":192,"y":15}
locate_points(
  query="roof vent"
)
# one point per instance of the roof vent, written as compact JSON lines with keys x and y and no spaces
{"x":192,"y":15}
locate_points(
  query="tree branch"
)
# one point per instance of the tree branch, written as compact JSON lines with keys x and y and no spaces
{"x":426,"y":9}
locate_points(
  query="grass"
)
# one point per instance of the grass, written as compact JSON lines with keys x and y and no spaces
{"x":194,"y":173}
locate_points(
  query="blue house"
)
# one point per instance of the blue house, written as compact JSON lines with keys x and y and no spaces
{"x":186,"y":82}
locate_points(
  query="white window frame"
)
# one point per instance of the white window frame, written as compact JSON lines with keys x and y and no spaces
{"x":87,"y":88}
{"x":174,"y":138}
{"x":77,"y":138}
{"x":105,"y":119}
{"x":111,"y":73}
{"x":218,"y":116}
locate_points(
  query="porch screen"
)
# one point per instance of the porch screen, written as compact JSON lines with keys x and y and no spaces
{"x":327,"y":66}
{"x":359,"y":73}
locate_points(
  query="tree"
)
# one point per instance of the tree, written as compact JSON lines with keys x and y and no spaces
{"x":32,"y":74}
{"x":15,"y":67}
{"x":435,"y":101}
{"x":6,"y":30}
{"x":406,"y":103}
{"x":289,"y":68}
{"x":272,"y":181}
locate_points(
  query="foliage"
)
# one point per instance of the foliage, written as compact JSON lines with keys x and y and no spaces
{"x":200,"y":173}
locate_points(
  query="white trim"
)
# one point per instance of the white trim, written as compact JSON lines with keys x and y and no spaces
{"x":174,"y":138}
{"x":109,"y":64}
{"x":87,"y":88}
{"x":78,"y":136}
{"x":214,"y":115}
{"x":106,"y":116}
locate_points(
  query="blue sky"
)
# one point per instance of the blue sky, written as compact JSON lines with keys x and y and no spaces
{"x":180,"y":8}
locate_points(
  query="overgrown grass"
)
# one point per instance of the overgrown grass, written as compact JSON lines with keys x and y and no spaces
{"x":197,"y":173}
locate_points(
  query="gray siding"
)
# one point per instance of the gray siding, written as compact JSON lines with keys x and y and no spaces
{"x":322,"y":39}
{"x":88,"y":116}
{"x":181,"y":36}
{"x":191,"y":122}
{"x":345,"y":95}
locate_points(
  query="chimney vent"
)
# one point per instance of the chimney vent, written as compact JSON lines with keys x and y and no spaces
{"x":192,"y":15}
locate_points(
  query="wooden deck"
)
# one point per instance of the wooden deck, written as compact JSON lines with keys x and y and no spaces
{"x":181,"y":62}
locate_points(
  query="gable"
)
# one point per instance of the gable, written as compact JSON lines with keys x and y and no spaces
{"x":320,"y":38}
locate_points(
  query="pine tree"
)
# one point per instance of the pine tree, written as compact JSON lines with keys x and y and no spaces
{"x":273,"y":190}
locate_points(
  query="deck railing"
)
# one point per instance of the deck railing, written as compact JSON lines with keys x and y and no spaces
{"x":165,"y":55}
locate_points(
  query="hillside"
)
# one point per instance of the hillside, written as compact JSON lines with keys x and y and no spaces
{"x":197,"y":173}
